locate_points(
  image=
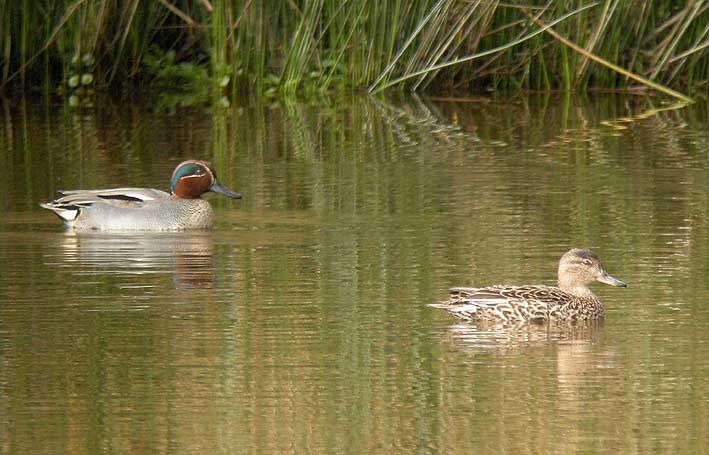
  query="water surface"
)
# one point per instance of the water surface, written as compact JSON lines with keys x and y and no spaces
{"x":300,"y":324}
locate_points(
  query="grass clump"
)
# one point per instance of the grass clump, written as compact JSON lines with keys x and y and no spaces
{"x":214,"y":47}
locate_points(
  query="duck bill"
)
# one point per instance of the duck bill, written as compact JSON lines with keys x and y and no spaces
{"x":221,"y":189}
{"x":607,"y":279}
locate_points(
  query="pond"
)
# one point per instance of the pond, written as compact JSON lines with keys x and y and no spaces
{"x":301,"y":323}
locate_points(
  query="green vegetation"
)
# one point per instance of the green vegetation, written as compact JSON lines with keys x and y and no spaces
{"x":209,"y":48}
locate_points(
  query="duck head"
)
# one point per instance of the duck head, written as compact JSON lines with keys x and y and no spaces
{"x":578,"y":268}
{"x":192,"y":178}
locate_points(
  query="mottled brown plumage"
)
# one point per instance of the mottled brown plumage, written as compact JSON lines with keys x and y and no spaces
{"x":571,"y":300}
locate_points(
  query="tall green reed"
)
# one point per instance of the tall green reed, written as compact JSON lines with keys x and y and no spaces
{"x":314,"y":46}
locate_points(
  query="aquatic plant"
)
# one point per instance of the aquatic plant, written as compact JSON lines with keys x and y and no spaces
{"x":315,"y":46}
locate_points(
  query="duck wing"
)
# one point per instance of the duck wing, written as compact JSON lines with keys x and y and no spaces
{"x":507,"y":303}
{"x":70,"y":204}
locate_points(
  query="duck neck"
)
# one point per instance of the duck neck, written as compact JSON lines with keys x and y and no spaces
{"x":576,"y":289}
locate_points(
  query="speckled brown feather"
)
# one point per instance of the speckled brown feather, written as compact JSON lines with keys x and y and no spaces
{"x":571,"y":301}
{"x":518,"y":303}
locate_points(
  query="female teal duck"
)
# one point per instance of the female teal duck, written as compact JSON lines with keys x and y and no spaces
{"x":572,"y":300}
{"x":144,"y":209}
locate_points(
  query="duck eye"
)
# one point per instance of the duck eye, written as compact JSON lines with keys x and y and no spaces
{"x":587,"y":262}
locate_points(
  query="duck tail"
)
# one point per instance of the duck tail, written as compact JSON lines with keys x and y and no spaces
{"x":66,"y":213}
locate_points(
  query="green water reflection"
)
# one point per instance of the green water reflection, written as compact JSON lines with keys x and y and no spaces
{"x":300,"y":324}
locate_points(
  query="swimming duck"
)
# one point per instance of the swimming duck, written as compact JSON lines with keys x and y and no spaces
{"x":571,"y":300}
{"x":144,"y":209}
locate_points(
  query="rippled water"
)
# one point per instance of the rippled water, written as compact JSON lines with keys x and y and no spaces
{"x":301,"y":325}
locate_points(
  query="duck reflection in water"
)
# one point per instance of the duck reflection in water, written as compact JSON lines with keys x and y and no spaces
{"x":188,"y":257}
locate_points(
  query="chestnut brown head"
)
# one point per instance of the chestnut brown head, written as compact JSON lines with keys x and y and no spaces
{"x":192,"y":178}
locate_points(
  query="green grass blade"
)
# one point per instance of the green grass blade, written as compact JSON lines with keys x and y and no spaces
{"x":485,"y":53}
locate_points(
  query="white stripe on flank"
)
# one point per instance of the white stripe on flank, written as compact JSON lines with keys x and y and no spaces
{"x":141,"y":197}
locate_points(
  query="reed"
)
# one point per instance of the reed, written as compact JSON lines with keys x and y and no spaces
{"x":315,"y":46}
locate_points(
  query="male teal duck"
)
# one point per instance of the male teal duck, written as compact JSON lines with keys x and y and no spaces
{"x":144,"y":209}
{"x":571,"y":301}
